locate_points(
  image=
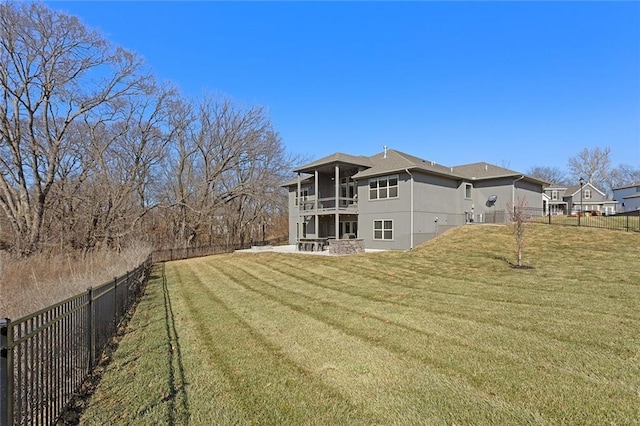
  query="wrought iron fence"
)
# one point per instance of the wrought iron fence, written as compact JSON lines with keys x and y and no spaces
{"x":629,"y":221}
{"x":168,"y":255}
{"x":46,"y":356}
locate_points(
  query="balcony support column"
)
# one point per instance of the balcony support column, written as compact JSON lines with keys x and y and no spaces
{"x":317,"y":204}
{"x":337,"y":192}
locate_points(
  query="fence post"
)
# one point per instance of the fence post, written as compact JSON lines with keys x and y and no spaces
{"x":91,"y":336}
{"x":549,"y":208}
{"x":627,"y":223}
{"x":6,"y":374}
{"x":115,"y":305}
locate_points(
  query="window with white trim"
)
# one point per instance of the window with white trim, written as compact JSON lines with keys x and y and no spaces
{"x":383,"y":187}
{"x":587,"y":194}
{"x":383,"y":229}
{"x":554,"y":195}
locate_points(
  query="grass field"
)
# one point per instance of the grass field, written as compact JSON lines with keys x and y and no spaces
{"x":446,"y":334}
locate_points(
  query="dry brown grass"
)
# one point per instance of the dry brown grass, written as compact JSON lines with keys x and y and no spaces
{"x":28,"y":285}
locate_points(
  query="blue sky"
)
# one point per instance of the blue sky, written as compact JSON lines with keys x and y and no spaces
{"x":516,"y":84}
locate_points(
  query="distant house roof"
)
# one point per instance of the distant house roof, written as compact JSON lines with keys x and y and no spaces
{"x":631,"y":185}
{"x":555,"y":186}
{"x":574,"y":189}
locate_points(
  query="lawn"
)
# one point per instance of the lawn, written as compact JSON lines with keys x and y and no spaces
{"x":446,"y":334}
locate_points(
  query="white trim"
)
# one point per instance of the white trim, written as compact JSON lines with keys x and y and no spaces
{"x":383,"y":229}
{"x":388,"y":187}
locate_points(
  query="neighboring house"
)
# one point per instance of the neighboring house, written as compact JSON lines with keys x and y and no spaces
{"x":627,"y":197}
{"x":554,"y":199}
{"x":394,"y":200}
{"x":587,"y":198}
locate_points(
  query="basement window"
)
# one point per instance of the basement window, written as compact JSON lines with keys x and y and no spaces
{"x":383,"y":229}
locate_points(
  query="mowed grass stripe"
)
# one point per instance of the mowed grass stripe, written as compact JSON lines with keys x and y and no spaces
{"x":560,"y":323}
{"x":444,"y":334}
{"x":531,"y":361}
{"x":265,"y":386}
{"x":375,"y":372}
{"x":416,"y":318}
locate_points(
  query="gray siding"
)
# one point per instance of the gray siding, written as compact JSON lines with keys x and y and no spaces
{"x":395,"y":209}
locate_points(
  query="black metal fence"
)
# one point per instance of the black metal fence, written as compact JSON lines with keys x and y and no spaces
{"x":629,"y":221}
{"x":168,"y":255}
{"x":189,"y":252}
{"x":46,"y":356}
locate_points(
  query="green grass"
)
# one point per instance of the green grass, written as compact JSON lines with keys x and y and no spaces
{"x":446,"y":334}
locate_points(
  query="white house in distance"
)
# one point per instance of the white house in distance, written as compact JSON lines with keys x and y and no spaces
{"x":627,"y":197}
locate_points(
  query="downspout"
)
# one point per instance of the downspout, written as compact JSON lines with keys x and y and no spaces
{"x":411,"y":211}
{"x":513,"y":191}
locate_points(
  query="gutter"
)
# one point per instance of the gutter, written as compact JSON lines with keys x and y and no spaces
{"x":411,"y":212}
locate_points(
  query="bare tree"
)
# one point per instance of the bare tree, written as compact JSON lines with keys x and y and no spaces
{"x":518,"y":216}
{"x":593,"y":165}
{"x":53,"y":72}
{"x":223,"y":173}
{"x":624,"y":174}
{"x":549,"y":174}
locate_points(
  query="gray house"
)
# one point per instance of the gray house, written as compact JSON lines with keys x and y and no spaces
{"x":627,"y":197}
{"x":394,"y":200}
{"x":588,"y":199}
{"x":553,"y":199}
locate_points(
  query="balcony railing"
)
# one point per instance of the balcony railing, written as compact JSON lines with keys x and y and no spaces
{"x":329,"y":204}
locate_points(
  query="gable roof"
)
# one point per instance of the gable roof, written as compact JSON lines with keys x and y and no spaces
{"x":395,"y":161}
{"x":574,"y":189}
{"x":484,"y":170}
{"x":337,"y":157}
{"x":392,"y":161}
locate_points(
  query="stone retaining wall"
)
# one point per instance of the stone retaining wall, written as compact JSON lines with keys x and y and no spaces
{"x":342,"y":247}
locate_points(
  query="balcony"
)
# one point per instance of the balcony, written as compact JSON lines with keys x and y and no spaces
{"x":328,"y":205}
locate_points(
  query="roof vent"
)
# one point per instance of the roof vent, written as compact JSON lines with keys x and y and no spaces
{"x":433,"y":163}
{"x":385,"y":151}
{"x":486,"y":167}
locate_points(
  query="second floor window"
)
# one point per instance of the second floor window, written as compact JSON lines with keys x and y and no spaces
{"x":554,"y":195}
{"x":467,"y":190}
{"x":383,"y":187}
{"x":587,"y":194}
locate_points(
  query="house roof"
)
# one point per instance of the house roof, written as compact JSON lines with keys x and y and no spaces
{"x":631,"y":185}
{"x":484,"y":170}
{"x":574,"y":189}
{"x":555,"y":186}
{"x":295,"y":181}
{"x":392,"y":161}
{"x":396,"y":161}
{"x":337,"y":157}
